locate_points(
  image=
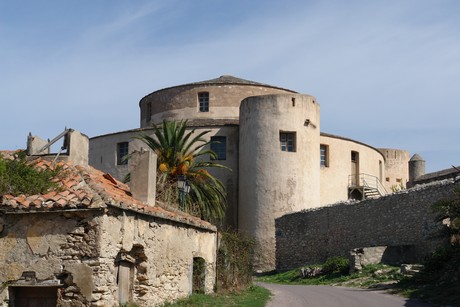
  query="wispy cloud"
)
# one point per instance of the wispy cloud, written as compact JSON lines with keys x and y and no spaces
{"x":384,"y":72}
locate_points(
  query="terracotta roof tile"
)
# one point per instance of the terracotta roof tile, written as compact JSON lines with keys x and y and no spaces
{"x":88,"y":188}
{"x":49,"y":195}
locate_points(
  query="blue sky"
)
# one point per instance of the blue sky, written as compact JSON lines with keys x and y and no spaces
{"x":386,"y":73}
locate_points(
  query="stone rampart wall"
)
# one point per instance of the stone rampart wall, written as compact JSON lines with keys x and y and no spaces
{"x":402,"y":219}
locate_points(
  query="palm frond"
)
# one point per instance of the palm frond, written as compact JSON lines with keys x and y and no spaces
{"x":179,"y":150}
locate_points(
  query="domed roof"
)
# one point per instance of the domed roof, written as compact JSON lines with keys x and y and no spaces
{"x":416,"y":157}
{"x":227,"y":79}
{"x":224,"y":80}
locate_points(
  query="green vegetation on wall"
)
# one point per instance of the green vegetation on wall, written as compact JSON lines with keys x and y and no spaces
{"x":18,"y":176}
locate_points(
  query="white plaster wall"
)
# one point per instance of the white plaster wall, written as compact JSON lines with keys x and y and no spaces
{"x":79,"y":148}
{"x":229,"y":177}
{"x":274,"y":182}
{"x":103,"y":152}
{"x":334,"y":178}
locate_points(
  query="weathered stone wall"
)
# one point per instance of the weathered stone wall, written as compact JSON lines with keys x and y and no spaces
{"x":51,"y":249}
{"x":80,"y":254}
{"x":162,"y":253}
{"x":403,"y":218}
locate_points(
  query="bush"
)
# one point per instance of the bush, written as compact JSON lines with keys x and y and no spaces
{"x":235,"y":262}
{"x":18,"y":176}
{"x":338,"y":265}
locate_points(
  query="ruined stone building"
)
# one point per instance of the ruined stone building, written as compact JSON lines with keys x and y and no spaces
{"x":271,"y":139}
{"x":95,"y":242}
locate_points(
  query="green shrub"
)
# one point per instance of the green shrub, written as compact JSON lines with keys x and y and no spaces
{"x":19,"y":177}
{"x":439,"y":259}
{"x":234,"y":262}
{"x":338,"y":265}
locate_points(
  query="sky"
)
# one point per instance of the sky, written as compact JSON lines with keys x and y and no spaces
{"x":386,"y":73}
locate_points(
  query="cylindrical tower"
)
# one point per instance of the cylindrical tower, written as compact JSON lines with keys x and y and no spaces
{"x":279,"y":163}
{"x":205,"y":102}
{"x":416,"y":168}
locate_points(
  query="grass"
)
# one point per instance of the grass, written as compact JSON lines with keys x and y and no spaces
{"x":370,"y":276}
{"x":255,"y":297}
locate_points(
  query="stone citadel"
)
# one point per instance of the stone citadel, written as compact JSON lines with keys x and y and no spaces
{"x":271,"y":139}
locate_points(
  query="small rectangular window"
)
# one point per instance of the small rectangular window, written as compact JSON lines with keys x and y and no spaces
{"x":122,"y":152}
{"x":354,"y":156}
{"x":287,"y":141}
{"x":219,"y":146}
{"x":203,"y":102}
{"x":324,"y":154}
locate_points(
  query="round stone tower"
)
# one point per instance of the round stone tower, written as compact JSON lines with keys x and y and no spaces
{"x":416,"y":168}
{"x":279,"y":142}
{"x":205,"y":102}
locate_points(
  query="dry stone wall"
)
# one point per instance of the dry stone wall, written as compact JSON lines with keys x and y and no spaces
{"x":50,"y":249}
{"x":401,"y":219}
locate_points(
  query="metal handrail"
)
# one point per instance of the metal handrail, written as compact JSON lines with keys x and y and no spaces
{"x":366,"y":180}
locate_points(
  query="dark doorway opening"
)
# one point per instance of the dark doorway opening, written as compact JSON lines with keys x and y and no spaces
{"x":199,"y":273}
{"x":33,"y":296}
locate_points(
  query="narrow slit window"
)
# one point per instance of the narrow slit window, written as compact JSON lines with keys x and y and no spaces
{"x":149,"y":110}
{"x":324,"y":155}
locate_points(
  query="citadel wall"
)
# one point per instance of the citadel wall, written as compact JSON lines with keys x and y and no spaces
{"x":399,"y":219}
{"x":335,"y":175}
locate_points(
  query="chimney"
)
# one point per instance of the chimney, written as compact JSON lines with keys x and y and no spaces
{"x":142,"y":165}
{"x":78,"y":147}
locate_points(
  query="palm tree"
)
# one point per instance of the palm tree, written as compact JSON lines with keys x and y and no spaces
{"x":180,"y":154}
